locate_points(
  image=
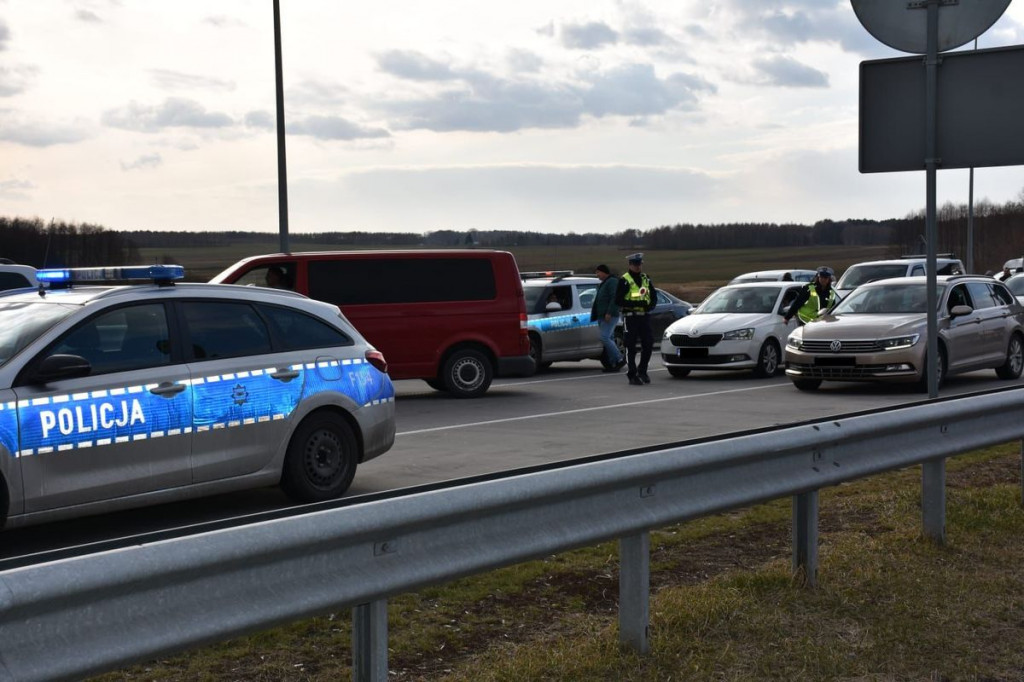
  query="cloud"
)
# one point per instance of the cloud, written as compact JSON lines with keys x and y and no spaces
{"x":143,"y":162}
{"x":476,"y":101}
{"x":5,"y":35}
{"x":786,"y":71}
{"x":593,"y":35}
{"x":222,"y":21}
{"x":318,"y":94}
{"x":524,"y":61}
{"x":15,"y":189}
{"x":173,"y":113}
{"x":37,"y":133}
{"x":332,"y":128}
{"x":176,"y":80}
{"x":414,"y":66}
{"x":647,"y":37}
{"x":87,"y":16}
{"x":260,"y":119}
{"x":16,"y":79}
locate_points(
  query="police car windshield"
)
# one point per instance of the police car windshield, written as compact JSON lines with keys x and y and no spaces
{"x":740,"y":300}
{"x":22,"y":322}
{"x":887,"y":300}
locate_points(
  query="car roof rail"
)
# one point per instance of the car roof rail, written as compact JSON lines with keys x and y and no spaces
{"x":923,"y":255}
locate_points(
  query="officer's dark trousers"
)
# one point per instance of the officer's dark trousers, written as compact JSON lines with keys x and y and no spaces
{"x":638,"y":327}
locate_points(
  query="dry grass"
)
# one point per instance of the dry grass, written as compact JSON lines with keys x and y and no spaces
{"x":890,"y":605}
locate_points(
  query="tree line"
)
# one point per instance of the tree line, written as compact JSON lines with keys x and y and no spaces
{"x":997,"y":237}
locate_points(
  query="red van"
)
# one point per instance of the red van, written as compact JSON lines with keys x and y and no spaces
{"x":453,"y":318}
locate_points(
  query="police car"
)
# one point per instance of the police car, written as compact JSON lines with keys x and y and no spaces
{"x":558,"y":307}
{"x":116,"y":395}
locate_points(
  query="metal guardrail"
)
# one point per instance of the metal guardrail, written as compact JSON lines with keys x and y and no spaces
{"x":75,"y":617}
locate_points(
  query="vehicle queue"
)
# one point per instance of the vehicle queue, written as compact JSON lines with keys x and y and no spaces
{"x":123,"y":387}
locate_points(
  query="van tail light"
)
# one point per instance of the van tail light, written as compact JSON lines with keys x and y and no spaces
{"x":376,"y":358}
{"x":522,"y":322}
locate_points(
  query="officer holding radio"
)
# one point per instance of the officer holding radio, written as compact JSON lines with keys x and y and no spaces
{"x":635,"y":298}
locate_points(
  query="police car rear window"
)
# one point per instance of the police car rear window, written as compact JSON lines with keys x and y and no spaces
{"x":295,"y":331}
{"x":225,"y":330}
{"x":401,"y":280}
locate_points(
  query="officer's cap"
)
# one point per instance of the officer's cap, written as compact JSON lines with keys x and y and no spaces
{"x":825,"y":271}
{"x":635,"y":258}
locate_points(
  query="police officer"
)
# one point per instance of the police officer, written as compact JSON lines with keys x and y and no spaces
{"x":814,"y":298}
{"x":635,"y":298}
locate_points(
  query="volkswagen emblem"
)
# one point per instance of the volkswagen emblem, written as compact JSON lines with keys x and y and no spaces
{"x":836,"y":346}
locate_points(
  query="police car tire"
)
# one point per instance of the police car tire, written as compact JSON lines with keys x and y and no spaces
{"x":467,"y":373}
{"x":321,"y":459}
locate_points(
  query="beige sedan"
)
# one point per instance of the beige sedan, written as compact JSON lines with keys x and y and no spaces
{"x":879,"y":333}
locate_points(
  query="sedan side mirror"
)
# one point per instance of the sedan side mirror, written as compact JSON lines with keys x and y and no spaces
{"x":960,"y":310}
{"x":61,"y":366}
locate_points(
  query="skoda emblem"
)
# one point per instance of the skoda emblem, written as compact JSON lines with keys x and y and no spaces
{"x":836,"y":346}
{"x":694,"y":331}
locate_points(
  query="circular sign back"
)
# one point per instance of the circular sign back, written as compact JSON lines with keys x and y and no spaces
{"x":903,"y":24}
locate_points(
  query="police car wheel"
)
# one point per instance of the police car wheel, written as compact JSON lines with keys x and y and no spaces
{"x":321,"y":459}
{"x":467,"y":373}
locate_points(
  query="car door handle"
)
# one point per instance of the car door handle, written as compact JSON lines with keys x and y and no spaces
{"x":167,"y":389}
{"x":285,"y":375}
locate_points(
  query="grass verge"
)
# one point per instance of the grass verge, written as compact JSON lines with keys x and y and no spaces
{"x":890,"y":605}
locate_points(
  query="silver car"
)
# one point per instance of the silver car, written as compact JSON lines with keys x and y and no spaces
{"x":879,"y":333}
{"x":116,"y":396}
{"x":740,"y":326}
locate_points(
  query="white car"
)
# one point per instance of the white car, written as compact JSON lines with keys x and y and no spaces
{"x":740,"y":326}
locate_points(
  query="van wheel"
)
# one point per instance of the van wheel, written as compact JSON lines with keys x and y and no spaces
{"x":467,"y":373}
{"x":1011,"y":369}
{"x":321,"y":459}
{"x":436,"y":384}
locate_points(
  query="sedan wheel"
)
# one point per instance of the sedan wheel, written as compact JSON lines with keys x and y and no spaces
{"x":1014,"y":359}
{"x":767,"y":360}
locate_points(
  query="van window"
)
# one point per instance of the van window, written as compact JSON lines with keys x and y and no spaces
{"x":356,"y":281}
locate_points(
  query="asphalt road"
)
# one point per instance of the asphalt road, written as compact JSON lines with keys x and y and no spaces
{"x":573,"y":410}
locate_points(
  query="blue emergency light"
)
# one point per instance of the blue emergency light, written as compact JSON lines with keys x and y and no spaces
{"x":150,"y":273}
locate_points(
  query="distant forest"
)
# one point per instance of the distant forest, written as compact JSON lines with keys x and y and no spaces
{"x":997,"y":236}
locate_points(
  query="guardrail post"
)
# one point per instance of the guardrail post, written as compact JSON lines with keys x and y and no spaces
{"x":933,"y":499}
{"x":370,"y":642}
{"x":805,"y":537}
{"x":635,"y":591}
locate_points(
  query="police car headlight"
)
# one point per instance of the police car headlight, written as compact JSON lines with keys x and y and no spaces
{"x":898,"y":342}
{"x":739,"y":335}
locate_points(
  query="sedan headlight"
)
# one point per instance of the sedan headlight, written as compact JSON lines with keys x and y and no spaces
{"x":795,"y":341}
{"x":898,"y":342}
{"x":739,"y":335}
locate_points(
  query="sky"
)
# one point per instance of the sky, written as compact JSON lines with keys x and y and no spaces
{"x":409,"y":116}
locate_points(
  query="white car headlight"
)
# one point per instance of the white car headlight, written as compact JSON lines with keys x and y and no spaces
{"x":899,"y":342}
{"x":739,"y":335}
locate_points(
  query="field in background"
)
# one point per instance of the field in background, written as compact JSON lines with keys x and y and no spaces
{"x":691,"y":275}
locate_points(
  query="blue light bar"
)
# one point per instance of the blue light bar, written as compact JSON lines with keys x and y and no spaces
{"x":149,"y":273}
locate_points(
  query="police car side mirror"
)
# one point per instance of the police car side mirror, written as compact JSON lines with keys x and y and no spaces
{"x":61,"y":366}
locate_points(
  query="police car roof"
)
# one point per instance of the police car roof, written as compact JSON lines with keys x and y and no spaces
{"x":544,"y":281}
{"x":80,"y":295}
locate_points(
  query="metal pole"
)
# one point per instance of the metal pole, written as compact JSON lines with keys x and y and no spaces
{"x":282,"y":172}
{"x":933,"y":473}
{"x":970,"y":212}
